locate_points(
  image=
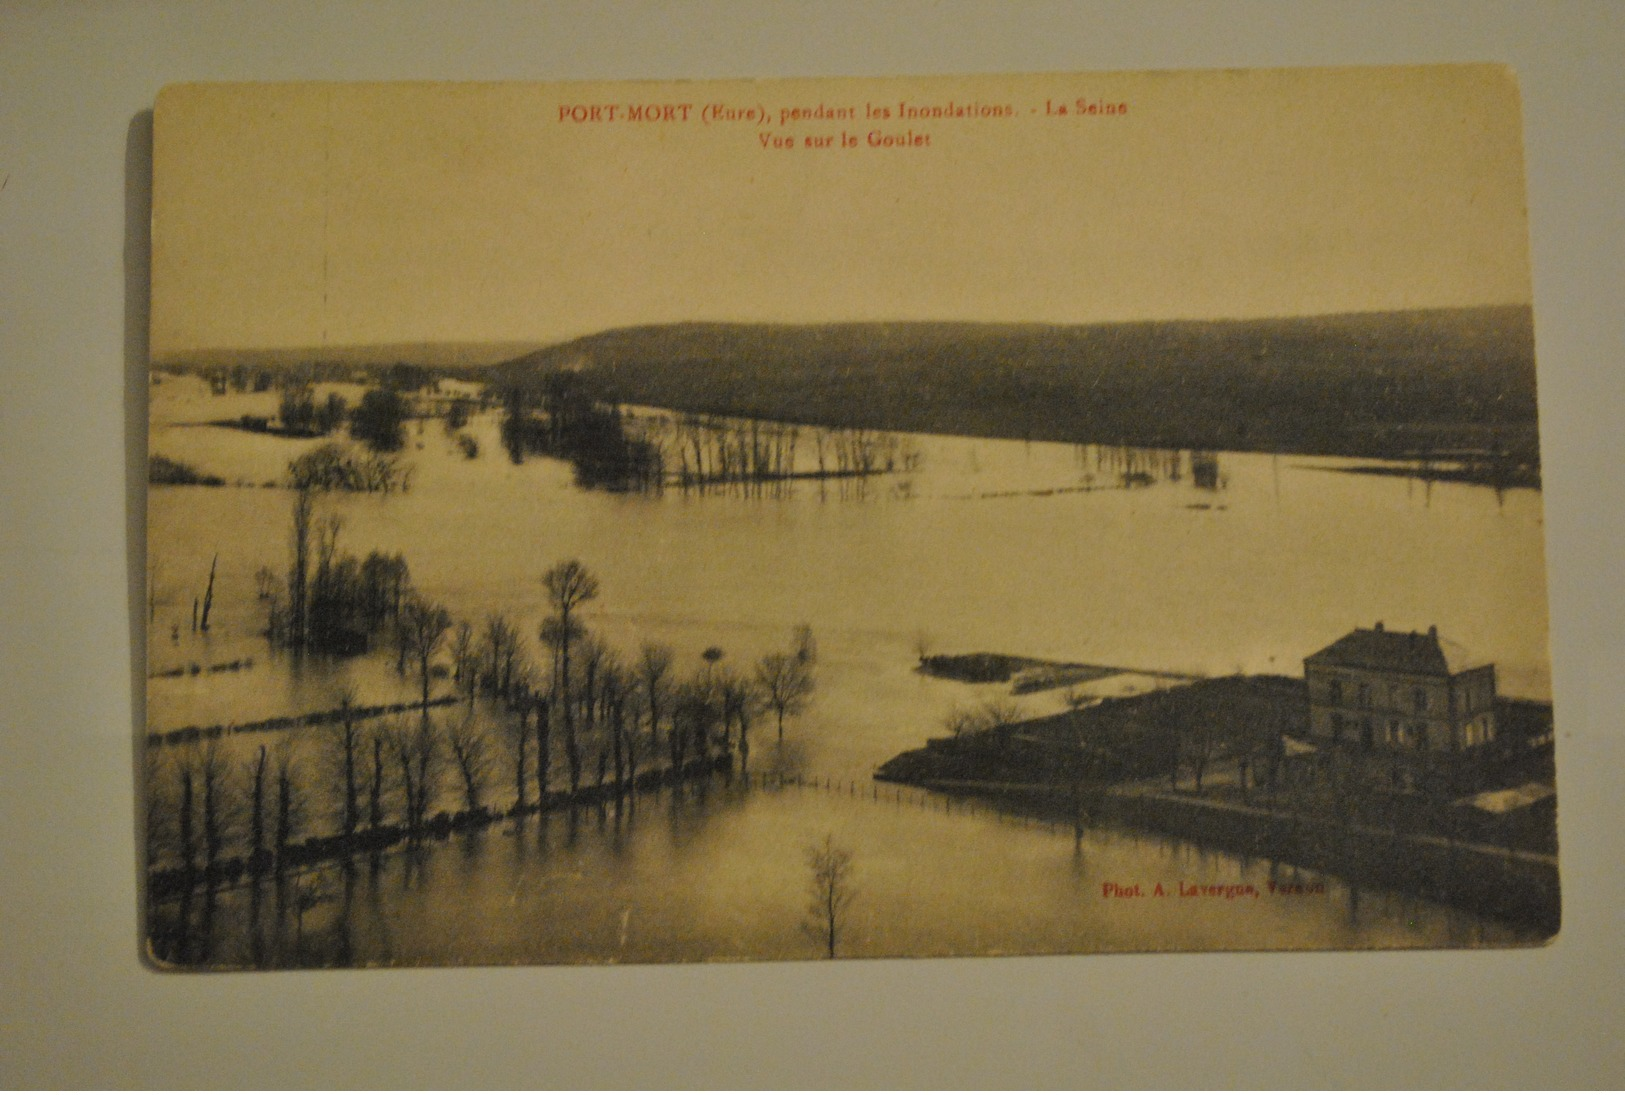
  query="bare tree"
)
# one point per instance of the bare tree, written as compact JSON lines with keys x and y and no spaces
{"x":463,"y":658}
{"x":214,"y":799}
{"x":516,"y":738}
{"x":615,"y":685}
{"x":693,"y":715}
{"x":786,"y":683}
{"x":544,"y":748}
{"x":959,"y":721}
{"x":425,"y":625}
{"x":737,"y":697}
{"x":376,"y":745}
{"x":593,"y":656}
{"x":654,"y":668}
{"x":1084,"y":771}
{"x":418,"y":758}
{"x":628,"y":723}
{"x":830,"y":892}
{"x":186,"y":832}
{"x":304,"y":503}
{"x":500,"y":647}
{"x":471,"y":752}
{"x":569,"y":585}
{"x":342,"y":757}
{"x":989,"y":715}
{"x":1201,"y":743}
{"x":290,"y":800}
{"x":257,"y":852}
{"x":158,"y":803}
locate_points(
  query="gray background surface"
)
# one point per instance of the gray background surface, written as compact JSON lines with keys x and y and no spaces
{"x":78,"y":1008}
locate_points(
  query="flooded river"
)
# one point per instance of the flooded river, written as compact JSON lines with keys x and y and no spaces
{"x":1081,"y":553}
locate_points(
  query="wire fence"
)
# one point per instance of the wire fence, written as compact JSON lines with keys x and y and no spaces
{"x":902,"y":796}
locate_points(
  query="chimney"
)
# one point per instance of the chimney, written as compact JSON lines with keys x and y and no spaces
{"x":1379,"y":625}
{"x":1433,"y":631}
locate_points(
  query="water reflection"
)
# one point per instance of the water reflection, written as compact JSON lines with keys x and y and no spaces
{"x":719,"y":875}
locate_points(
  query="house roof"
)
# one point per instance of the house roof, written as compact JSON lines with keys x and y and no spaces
{"x":1419,"y":652}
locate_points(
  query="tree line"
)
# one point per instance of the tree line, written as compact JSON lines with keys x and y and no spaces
{"x":560,"y":417}
{"x":559,"y":414}
{"x":708,"y":450}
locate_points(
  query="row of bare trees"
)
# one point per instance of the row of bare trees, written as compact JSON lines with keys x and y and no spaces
{"x":602,"y":717}
{"x":629,"y":707}
{"x":717,"y":450}
{"x":210,"y":808}
{"x":709,"y":449}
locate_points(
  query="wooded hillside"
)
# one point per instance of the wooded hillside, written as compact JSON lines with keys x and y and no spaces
{"x":1374,"y":384}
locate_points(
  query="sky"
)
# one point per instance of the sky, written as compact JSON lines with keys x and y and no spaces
{"x":329,"y":215}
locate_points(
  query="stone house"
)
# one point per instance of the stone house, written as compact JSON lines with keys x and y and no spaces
{"x":1399,"y":692}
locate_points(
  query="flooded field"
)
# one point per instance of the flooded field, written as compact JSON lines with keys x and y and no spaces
{"x":1154,"y":562}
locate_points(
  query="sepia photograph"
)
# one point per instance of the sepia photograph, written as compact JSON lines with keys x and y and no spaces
{"x":798,"y":519}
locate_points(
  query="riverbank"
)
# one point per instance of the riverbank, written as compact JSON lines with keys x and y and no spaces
{"x":1215,"y":763}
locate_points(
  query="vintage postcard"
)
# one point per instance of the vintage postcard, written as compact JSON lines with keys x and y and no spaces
{"x":798,"y":519}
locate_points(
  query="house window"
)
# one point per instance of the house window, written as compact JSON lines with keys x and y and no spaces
{"x":1394,"y":737}
{"x":1334,"y":691}
{"x":1365,"y":698}
{"x":1337,"y":727}
{"x":1419,"y":697}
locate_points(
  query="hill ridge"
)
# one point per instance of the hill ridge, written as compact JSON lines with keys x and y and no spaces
{"x":1388,"y":383}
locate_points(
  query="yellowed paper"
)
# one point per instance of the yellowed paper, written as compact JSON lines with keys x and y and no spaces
{"x":686,"y":521}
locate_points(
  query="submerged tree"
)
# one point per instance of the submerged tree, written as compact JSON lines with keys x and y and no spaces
{"x":516,"y":741}
{"x":830,"y":892}
{"x":257,"y":853}
{"x":654,"y":669}
{"x":304,"y":504}
{"x":471,"y":752}
{"x":424,"y":625}
{"x":418,"y":757}
{"x":208,"y":796}
{"x":569,"y":586}
{"x":379,"y":420}
{"x":786,"y":683}
{"x":463,"y":658}
{"x":289,"y":795}
{"x":343,"y":759}
{"x":499,"y":653}
{"x":738,"y":698}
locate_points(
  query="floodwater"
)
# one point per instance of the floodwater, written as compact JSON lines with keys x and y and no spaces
{"x":1078,"y":553}
{"x":722,"y":877}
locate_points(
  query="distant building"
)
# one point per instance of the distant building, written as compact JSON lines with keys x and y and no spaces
{"x":1399,"y":691}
